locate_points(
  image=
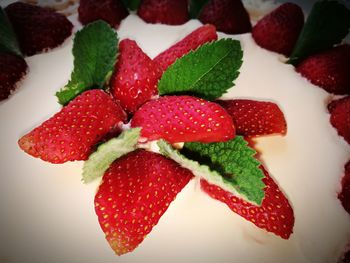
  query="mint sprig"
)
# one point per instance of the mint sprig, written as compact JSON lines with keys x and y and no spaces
{"x":132,"y":4}
{"x":8,"y":38}
{"x":95,"y":51}
{"x":196,"y":6}
{"x":208,"y":72}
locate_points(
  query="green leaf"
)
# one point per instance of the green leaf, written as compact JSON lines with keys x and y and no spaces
{"x":95,"y":51}
{"x":108,"y":152}
{"x":132,"y":4}
{"x":196,"y":6}
{"x":327,"y":24}
{"x":207,"y":72}
{"x":8,"y":39}
{"x":235,"y":161}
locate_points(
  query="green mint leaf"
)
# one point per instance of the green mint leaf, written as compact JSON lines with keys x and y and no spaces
{"x":95,"y":51}
{"x":108,"y":152}
{"x":208,"y":72}
{"x":327,"y":24}
{"x":196,"y":6}
{"x":235,"y":161}
{"x":132,"y":4}
{"x":8,"y":39}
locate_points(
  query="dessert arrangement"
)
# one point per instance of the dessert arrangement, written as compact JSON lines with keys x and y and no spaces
{"x":167,"y":110}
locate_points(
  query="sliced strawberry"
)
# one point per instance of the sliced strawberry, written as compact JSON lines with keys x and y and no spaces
{"x":170,"y":12}
{"x":12,"y":70}
{"x":344,"y":195}
{"x":38,"y":29}
{"x":135,"y":192}
{"x":340,"y":116}
{"x":274,"y":215}
{"x":279,"y":30}
{"x":135,"y":77}
{"x":111,"y":11}
{"x":255,"y":118}
{"x":72,"y":133}
{"x":329,"y":69}
{"x":228,"y":16}
{"x":197,"y":38}
{"x":183,"y":119}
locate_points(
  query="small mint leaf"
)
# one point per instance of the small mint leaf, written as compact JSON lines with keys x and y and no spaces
{"x":8,"y":39}
{"x":132,"y":4}
{"x":327,"y":24}
{"x":196,"y":6}
{"x":207,"y":72}
{"x":108,"y":152}
{"x":95,"y":49}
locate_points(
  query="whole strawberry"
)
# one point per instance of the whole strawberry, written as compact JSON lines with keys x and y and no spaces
{"x":135,"y":192}
{"x":328,"y":69}
{"x":72,"y":133}
{"x":279,"y":30}
{"x":340,"y":116}
{"x":135,"y":77}
{"x":344,"y":194}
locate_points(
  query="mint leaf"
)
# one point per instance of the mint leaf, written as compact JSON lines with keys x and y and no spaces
{"x":235,"y":161}
{"x":196,"y":6}
{"x":108,"y":152}
{"x":207,"y":72}
{"x":8,"y":39}
{"x":327,"y":24}
{"x":95,"y":50}
{"x":132,"y":4}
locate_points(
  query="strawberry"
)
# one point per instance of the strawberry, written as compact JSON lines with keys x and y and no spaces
{"x":38,"y":29}
{"x":183,"y":119}
{"x":228,"y":16}
{"x":170,"y":12}
{"x":135,"y":77}
{"x":111,"y":11}
{"x":344,"y":195}
{"x":328,"y":69}
{"x":135,"y":192}
{"x":255,"y":118}
{"x":274,"y":215}
{"x":12,"y":70}
{"x":72,"y":133}
{"x":279,"y":30}
{"x":197,"y":38}
{"x":340,"y":116}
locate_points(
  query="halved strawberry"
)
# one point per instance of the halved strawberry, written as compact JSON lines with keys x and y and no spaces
{"x":135,"y":192}
{"x":255,"y":118}
{"x":38,"y":29}
{"x":279,"y":30}
{"x":170,"y":12}
{"x":72,"y":133}
{"x":135,"y":77}
{"x":328,"y":69}
{"x":344,"y":194}
{"x":183,"y":119}
{"x":228,"y":16}
{"x":195,"y":39}
{"x":340,"y":116}
{"x":274,"y":215}
{"x":111,"y":11}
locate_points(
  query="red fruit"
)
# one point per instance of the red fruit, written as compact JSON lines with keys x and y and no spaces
{"x":38,"y":29}
{"x":135,"y":77}
{"x":183,"y":119}
{"x":111,"y":11}
{"x":340,"y":116}
{"x":72,"y":133}
{"x":274,"y":215}
{"x":255,"y":118}
{"x":197,"y":38}
{"x":279,"y":30}
{"x":170,"y":12}
{"x":344,"y":195}
{"x":12,"y":70}
{"x":228,"y":16}
{"x":328,"y":69}
{"x":135,"y":192}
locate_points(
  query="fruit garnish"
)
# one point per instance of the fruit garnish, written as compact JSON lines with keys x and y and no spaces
{"x":183,"y":119}
{"x":8,"y":38}
{"x":279,"y":30}
{"x":135,"y":76}
{"x":198,"y":37}
{"x":255,"y":118}
{"x":71,"y":134}
{"x":328,"y":69}
{"x":132,"y":4}
{"x":340,"y":116}
{"x":95,"y":49}
{"x":135,"y":192}
{"x":38,"y":29}
{"x":207,"y":72}
{"x":110,"y":11}
{"x":344,"y":194}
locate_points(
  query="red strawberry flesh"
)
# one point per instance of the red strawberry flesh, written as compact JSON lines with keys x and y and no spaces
{"x":340,"y":116}
{"x":344,"y":195}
